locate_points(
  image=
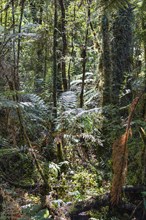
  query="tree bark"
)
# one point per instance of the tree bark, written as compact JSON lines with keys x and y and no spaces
{"x":106,"y":59}
{"x":121,"y":51}
{"x":83,"y":55}
{"x":55,"y":62}
{"x":72,"y":46}
{"x":64,"y":44}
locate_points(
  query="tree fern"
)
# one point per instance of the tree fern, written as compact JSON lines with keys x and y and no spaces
{"x":68,"y":100}
{"x":110,"y":4}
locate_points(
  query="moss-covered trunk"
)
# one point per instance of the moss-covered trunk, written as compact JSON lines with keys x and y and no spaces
{"x":121,"y":49}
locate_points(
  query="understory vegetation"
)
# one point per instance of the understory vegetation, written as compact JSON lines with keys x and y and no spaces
{"x":72,"y":109}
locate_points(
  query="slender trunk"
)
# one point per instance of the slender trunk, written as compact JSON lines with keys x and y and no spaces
{"x":84,"y":58}
{"x":83,"y":73}
{"x":15,"y":83}
{"x":55,"y":62}
{"x":72,"y":46}
{"x":19,"y":31}
{"x":64,"y":44}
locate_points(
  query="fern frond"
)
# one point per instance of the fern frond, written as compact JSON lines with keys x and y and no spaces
{"x":5,"y":103}
{"x":112,"y":4}
{"x":3,"y":142}
{"x":68,"y":100}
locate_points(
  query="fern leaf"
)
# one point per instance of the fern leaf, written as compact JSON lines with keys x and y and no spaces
{"x":68,"y":100}
{"x":114,"y":3}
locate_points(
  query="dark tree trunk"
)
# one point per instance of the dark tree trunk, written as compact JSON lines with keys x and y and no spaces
{"x":15,"y":81}
{"x":106,"y":62}
{"x":64,"y":44}
{"x":84,"y":58}
{"x":72,"y":46}
{"x":55,"y":62}
{"x":83,"y":55}
{"x":121,"y":51}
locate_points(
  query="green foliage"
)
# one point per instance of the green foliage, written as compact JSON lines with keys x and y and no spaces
{"x":84,"y":181}
{"x":112,"y":123}
{"x":41,"y":215}
{"x":87,"y":134}
{"x":30,"y":209}
{"x":53,"y":170}
{"x":136,"y":153}
{"x":34,"y":212}
{"x":114,"y":4}
{"x":15,"y":166}
{"x":35,"y":111}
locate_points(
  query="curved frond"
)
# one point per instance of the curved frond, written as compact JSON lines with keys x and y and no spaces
{"x":107,"y":4}
{"x":68,"y":100}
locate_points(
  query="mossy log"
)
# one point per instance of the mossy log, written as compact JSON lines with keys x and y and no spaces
{"x":131,"y":193}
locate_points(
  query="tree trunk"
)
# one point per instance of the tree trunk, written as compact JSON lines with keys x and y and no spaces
{"x":106,"y":62}
{"x":15,"y":80}
{"x":83,"y":55}
{"x":64,"y":44}
{"x":72,"y":46}
{"x":121,"y":51}
{"x":55,"y":62}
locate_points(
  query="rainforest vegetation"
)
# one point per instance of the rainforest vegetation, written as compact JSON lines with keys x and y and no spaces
{"x":72,"y":109}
